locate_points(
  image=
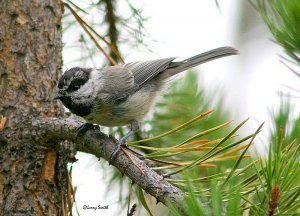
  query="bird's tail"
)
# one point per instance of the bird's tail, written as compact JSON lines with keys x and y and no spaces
{"x":177,"y":67}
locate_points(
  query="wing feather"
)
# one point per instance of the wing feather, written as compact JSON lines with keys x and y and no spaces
{"x":146,"y":70}
{"x":118,"y":82}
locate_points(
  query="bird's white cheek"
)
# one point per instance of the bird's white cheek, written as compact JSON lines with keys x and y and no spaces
{"x":86,"y":91}
{"x":86,"y":94}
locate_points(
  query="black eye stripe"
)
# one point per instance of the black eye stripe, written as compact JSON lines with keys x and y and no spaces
{"x":78,"y":81}
{"x":76,"y":84}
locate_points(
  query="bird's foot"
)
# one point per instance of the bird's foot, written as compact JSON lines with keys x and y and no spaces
{"x":121,"y":142}
{"x":82,"y":129}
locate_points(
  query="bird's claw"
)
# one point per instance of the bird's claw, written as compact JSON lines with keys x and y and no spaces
{"x":82,"y":129}
{"x":121,"y":142}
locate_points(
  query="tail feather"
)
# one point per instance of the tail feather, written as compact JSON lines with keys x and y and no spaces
{"x":177,"y":67}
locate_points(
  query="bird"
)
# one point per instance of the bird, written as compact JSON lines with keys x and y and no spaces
{"x":122,"y":94}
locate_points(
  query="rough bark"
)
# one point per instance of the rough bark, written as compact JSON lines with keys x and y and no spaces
{"x":30,"y":64}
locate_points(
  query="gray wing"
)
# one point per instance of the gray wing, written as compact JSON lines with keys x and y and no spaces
{"x":146,"y":70}
{"x":118,"y":82}
{"x":115,"y":83}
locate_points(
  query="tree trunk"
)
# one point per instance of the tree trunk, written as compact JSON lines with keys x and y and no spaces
{"x":30,"y":63}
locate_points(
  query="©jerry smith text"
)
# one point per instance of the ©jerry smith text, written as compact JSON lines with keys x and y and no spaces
{"x":87,"y":207}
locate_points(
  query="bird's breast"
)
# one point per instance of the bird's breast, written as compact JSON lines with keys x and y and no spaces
{"x":135,"y":107}
{"x":104,"y":115}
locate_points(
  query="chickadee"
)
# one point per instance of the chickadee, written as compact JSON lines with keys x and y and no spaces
{"x":122,"y":94}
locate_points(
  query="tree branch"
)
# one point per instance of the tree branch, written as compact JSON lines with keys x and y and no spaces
{"x":50,"y":131}
{"x":111,"y":20}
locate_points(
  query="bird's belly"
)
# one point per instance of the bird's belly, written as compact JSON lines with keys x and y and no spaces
{"x":106,"y":118}
{"x":137,"y":105}
{"x":134,"y":108}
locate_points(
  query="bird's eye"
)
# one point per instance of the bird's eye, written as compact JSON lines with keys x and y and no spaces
{"x":73,"y":87}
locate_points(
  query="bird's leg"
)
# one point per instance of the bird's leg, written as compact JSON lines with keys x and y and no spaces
{"x":82,"y":129}
{"x":134,"y":127}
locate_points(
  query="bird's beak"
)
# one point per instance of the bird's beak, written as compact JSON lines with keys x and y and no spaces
{"x":59,"y":95}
